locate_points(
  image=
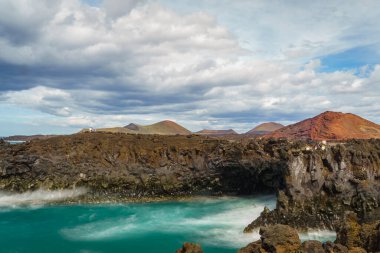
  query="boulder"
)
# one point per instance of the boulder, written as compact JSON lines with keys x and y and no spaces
{"x":312,"y":246}
{"x":280,"y":238}
{"x":357,"y":250}
{"x":254,"y":247}
{"x":331,"y":247}
{"x":358,"y":236}
{"x":189,"y":247}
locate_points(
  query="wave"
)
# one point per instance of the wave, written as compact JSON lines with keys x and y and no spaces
{"x":319,"y":235}
{"x":100,"y":230}
{"x":38,"y":197}
{"x":225,"y":228}
{"x":210,"y":221}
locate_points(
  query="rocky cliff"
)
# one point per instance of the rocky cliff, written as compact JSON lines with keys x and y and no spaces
{"x":352,"y":237}
{"x":324,"y":180}
{"x":140,"y":165}
{"x":316,"y":182}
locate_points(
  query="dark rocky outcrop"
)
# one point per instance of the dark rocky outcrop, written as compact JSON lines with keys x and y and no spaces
{"x":355,"y":235}
{"x":312,"y":246}
{"x":279,"y":238}
{"x":285,"y":239}
{"x":120,"y":165}
{"x":189,"y":247}
{"x":351,"y":238}
{"x":325,"y":180}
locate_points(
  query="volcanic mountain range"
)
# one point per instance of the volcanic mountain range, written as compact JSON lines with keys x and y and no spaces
{"x":325,"y":126}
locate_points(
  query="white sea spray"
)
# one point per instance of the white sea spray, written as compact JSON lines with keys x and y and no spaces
{"x":38,"y":197}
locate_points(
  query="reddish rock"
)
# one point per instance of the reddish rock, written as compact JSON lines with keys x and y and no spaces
{"x":189,"y":247}
{"x":280,"y":238}
{"x":330,"y":126}
{"x":254,"y":247}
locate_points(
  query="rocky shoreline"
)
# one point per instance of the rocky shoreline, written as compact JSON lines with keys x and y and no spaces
{"x":316,"y":182}
{"x":351,"y":238}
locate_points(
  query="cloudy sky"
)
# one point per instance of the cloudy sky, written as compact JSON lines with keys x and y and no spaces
{"x":216,"y":64}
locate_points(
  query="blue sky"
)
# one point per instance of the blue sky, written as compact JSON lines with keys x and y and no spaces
{"x":215,"y":64}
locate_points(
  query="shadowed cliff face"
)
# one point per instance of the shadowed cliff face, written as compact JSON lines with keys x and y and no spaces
{"x":324,"y":181}
{"x":140,"y":165}
{"x":315,"y":182}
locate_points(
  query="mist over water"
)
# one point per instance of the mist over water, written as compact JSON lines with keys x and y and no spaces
{"x":38,"y":197}
{"x":216,"y":223}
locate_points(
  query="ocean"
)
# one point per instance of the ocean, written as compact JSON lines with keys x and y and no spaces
{"x":27,"y":224}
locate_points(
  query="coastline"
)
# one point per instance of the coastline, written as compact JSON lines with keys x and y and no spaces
{"x":316,"y":183}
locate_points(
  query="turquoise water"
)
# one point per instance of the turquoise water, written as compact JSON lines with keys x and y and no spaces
{"x":215,"y":223}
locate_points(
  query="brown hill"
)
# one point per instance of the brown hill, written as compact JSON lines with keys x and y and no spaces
{"x":265,"y":128}
{"x":208,"y":132}
{"x":330,"y":126}
{"x":165,"y":127}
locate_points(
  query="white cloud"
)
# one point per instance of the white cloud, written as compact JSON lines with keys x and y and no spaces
{"x":54,"y":101}
{"x":143,"y":62}
{"x":117,"y":8}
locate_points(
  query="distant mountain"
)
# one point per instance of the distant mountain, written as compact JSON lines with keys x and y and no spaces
{"x":27,"y":137}
{"x":165,"y":127}
{"x":133,"y":126}
{"x":330,"y":126}
{"x":208,"y":132}
{"x":265,"y":128}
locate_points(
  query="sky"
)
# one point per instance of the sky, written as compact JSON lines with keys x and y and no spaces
{"x":206,"y":64}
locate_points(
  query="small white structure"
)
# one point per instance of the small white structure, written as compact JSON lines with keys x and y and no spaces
{"x":324,"y":143}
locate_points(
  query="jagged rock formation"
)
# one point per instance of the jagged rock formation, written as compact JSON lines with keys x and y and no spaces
{"x":207,"y":132}
{"x":330,"y":126}
{"x":325,"y":180}
{"x":165,"y":127}
{"x":265,"y":128}
{"x":139,"y":165}
{"x":351,"y":237}
{"x":278,"y":238}
{"x":285,"y":239}
{"x":355,"y":235}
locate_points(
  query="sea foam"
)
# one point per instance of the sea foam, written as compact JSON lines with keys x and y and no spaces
{"x":38,"y":197}
{"x":210,"y":221}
